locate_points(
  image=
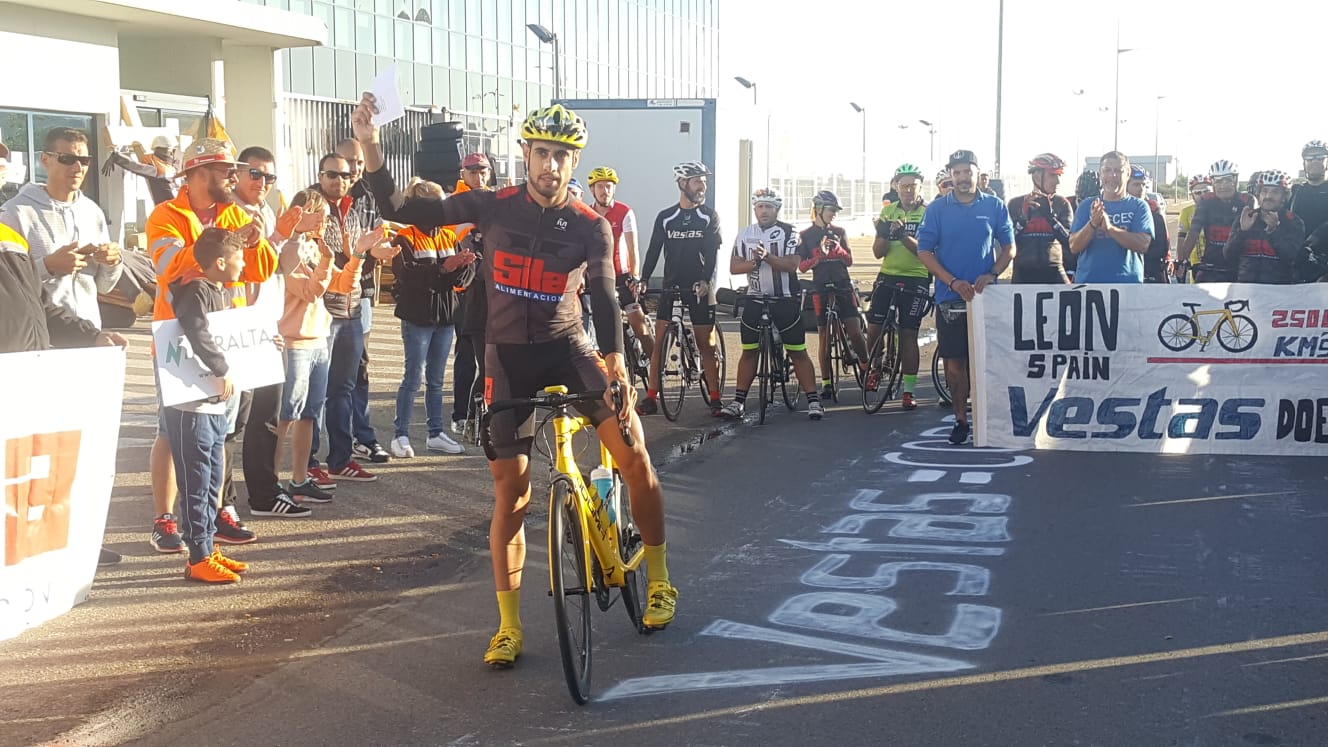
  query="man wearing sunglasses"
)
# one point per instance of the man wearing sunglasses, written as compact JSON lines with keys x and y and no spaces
{"x":205,"y":200}
{"x":69,"y":242}
{"x":365,"y":442}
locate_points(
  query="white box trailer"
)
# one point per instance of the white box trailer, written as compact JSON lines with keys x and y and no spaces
{"x":642,"y":139}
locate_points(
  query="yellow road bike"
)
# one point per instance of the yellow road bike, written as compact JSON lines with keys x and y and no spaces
{"x":594,"y":546}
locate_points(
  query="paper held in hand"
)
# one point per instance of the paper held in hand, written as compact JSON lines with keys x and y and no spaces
{"x":244,"y":336}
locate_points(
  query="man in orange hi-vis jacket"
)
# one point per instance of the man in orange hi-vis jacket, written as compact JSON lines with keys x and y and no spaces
{"x":205,"y":201}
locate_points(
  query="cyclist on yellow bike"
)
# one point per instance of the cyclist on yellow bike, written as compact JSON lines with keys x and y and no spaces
{"x":541,"y":245}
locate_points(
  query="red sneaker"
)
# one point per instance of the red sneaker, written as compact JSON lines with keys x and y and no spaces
{"x":321,"y":478}
{"x":353,"y":472}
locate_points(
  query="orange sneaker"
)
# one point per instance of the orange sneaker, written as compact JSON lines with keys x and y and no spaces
{"x":234,"y":566}
{"x":210,"y":571}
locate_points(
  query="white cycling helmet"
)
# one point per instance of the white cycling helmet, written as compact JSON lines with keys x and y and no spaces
{"x":689,"y":169}
{"x":1223,"y":168}
{"x":1275,"y":178}
{"x":767,"y":196}
{"x":1314,"y":149}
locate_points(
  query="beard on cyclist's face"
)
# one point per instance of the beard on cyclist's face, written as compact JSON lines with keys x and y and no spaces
{"x":549,"y":167}
{"x":963,"y":178}
{"x":765,"y":214}
{"x":1225,"y":187}
{"x":603,"y":191}
{"x":1271,"y":198}
{"x":694,"y":189}
{"x":1315,"y":167}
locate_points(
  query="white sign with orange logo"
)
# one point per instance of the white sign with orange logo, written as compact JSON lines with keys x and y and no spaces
{"x":57,"y":468}
{"x":1215,"y":368}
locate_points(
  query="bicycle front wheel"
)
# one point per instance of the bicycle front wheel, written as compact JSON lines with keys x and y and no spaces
{"x":568,"y":576}
{"x":872,"y":400}
{"x":938,"y":380}
{"x":673,"y":373}
{"x":1238,"y":335}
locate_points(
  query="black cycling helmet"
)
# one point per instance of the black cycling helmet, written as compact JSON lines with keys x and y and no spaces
{"x":1088,"y":186}
{"x":962,"y":156}
{"x":825,"y":199}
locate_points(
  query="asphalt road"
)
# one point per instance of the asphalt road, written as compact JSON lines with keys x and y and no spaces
{"x":857,"y":581}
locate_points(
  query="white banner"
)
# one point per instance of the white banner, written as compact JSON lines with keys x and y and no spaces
{"x":243,"y":335}
{"x":1216,"y":368}
{"x":57,"y":453}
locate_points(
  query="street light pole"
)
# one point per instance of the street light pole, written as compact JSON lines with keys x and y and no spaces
{"x":1157,"y":127}
{"x":1078,"y":128}
{"x":1115,"y":138}
{"x":931,"y":130}
{"x":751,"y":86}
{"x":863,"y":111}
{"x":1000,"y":61}
{"x":548,"y":37}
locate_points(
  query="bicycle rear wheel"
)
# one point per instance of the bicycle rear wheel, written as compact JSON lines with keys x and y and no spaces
{"x":763,"y":366}
{"x":787,"y":374}
{"x":938,"y":380}
{"x":568,"y":573}
{"x":708,"y":386}
{"x":873,"y":400}
{"x":673,"y":373}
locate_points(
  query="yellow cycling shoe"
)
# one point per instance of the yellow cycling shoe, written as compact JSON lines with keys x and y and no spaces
{"x":660,"y":609}
{"x":504,"y":647}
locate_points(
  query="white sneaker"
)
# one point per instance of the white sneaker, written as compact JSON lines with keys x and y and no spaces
{"x":444,"y":443}
{"x":815,"y":410}
{"x":401,"y":448}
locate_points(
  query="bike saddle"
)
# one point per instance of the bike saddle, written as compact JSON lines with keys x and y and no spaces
{"x":1192,"y":306}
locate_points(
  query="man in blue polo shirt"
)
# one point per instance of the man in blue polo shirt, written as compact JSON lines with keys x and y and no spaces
{"x":957,"y":243}
{"x":1112,"y":233}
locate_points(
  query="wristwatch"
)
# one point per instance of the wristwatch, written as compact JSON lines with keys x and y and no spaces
{"x":359,"y":255}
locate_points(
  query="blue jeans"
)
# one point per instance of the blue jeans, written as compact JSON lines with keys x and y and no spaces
{"x":197,"y":444}
{"x":359,"y":424}
{"x":346,"y":345}
{"x":305,"y":390}
{"x":427,"y":349}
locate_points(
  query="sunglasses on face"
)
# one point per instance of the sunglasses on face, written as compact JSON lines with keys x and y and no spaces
{"x":346,"y":175}
{"x":256,"y":174}
{"x":69,"y":159}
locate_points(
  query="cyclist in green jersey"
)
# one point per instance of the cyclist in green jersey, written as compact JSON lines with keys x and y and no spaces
{"x":896,"y":246}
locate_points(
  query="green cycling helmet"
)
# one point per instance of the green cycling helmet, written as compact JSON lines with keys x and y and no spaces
{"x":908,"y":169}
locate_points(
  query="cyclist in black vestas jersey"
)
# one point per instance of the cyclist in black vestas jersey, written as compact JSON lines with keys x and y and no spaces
{"x":687,"y":234}
{"x":541,"y":244}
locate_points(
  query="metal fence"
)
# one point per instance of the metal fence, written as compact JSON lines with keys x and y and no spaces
{"x":314,"y":126}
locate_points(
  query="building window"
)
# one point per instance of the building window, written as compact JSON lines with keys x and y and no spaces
{"x":24,"y":132}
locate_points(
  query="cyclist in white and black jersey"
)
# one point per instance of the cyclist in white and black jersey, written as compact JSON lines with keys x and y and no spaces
{"x":767,"y":253}
{"x":687,"y":234}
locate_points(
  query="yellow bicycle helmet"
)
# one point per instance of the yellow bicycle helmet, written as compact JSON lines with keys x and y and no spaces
{"x":556,"y":124}
{"x":602,"y":174}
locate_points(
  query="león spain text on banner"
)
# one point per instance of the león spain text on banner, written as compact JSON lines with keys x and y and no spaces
{"x":1189,"y":369}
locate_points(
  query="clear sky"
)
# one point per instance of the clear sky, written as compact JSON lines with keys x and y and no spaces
{"x":1241,"y":80}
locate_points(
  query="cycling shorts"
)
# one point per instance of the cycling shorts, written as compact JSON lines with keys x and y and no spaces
{"x":700,"y":311}
{"x":912,"y":309}
{"x":785,"y":316}
{"x":628,"y":300}
{"x":522,"y":371}
{"x":952,"y":331}
{"x":846,"y":303}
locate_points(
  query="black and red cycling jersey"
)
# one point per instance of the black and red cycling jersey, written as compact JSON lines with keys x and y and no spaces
{"x":1041,"y":237}
{"x":1215,"y":216}
{"x":534,"y":260}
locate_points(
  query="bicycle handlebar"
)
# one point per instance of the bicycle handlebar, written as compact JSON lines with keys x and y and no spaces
{"x":1239,"y":305}
{"x":553,"y":402}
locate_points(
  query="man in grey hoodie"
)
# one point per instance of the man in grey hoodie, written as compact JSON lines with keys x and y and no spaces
{"x":69,"y":242}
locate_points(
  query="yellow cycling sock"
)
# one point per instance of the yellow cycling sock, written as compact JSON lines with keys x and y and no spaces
{"x":657,"y":569}
{"x":509,"y":609}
